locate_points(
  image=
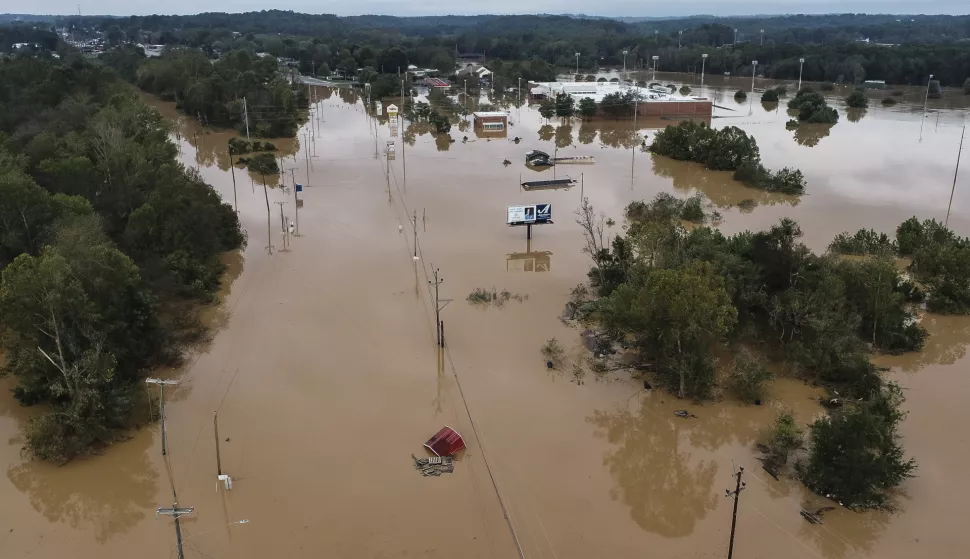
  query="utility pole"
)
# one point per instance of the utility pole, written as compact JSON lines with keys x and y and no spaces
{"x":956,"y":172}
{"x":439,"y":304}
{"x":738,"y":487}
{"x":161,"y":402}
{"x":215,"y":426}
{"x":926,"y":100}
{"x":175,"y":512}
{"x":232,"y":169}
{"x":296,"y":201}
{"x":307,"y":153}
{"x":282,"y":223}
{"x":414,"y":226}
{"x":246,"y":112}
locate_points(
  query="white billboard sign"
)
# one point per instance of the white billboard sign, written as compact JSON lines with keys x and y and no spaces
{"x":534,"y":213}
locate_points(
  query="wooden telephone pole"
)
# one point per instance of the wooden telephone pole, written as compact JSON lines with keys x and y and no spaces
{"x":738,"y":488}
{"x":439,"y":304}
{"x":161,"y":402}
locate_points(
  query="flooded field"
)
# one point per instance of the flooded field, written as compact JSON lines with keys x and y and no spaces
{"x":326,"y":377}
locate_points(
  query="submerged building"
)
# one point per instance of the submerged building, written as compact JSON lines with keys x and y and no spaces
{"x":655,"y":102}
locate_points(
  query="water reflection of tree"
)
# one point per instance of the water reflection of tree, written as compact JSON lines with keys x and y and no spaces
{"x":546,"y":132}
{"x":946,"y":344}
{"x":348,"y":95}
{"x":718,"y":186}
{"x":769,"y":107}
{"x":78,"y":494}
{"x":837,"y":538}
{"x":564,"y":135}
{"x":667,"y":493}
{"x":810,"y":135}
{"x":587,"y":133}
{"x":855,"y":115}
{"x":442,"y":142}
{"x":619,"y":137}
{"x":415,"y":129}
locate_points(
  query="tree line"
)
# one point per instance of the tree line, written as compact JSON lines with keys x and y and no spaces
{"x":926,"y":44}
{"x":681,"y":295}
{"x":218,"y":92}
{"x":106,"y":244}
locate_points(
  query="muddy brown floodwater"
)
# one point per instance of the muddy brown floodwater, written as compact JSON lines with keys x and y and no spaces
{"x":325,"y":374}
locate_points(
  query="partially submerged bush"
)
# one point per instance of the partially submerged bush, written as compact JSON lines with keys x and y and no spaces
{"x":812,"y":108}
{"x":740,"y":96}
{"x":782,"y":438}
{"x":554,"y":353}
{"x":785,"y":181}
{"x":857,"y":100}
{"x":749,"y":377}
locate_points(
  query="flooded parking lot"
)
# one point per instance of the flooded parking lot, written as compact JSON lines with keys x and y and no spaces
{"x":324,"y":370}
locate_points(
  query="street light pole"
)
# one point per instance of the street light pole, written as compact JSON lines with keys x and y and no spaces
{"x":762,"y":37}
{"x":655,"y":58}
{"x":680,"y":35}
{"x":577,"y":62}
{"x":703,"y":65}
{"x":801,"y":64}
{"x":754,"y":70}
{"x":735,"y":36}
{"x":624,"y":61}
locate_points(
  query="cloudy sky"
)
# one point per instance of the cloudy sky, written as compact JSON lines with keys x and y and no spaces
{"x":438,"y":7}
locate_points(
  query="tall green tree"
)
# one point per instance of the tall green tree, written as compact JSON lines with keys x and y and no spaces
{"x":678,"y":317}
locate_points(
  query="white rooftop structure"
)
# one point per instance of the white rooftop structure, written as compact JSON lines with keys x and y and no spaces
{"x":486,"y":114}
{"x":598,"y":90}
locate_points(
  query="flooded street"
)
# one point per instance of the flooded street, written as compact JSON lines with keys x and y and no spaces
{"x":325,"y":374}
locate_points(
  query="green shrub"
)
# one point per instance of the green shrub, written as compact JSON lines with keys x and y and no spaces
{"x":749,"y":377}
{"x":769,"y":96}
{"x":864,"y":241}
{"x":740,"y":96}
{"x":857,"y":100}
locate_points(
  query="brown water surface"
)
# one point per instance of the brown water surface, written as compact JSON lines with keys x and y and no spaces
{"x":321,"y":366}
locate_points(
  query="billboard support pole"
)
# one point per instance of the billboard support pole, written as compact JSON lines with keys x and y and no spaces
{"x":528,"y":232}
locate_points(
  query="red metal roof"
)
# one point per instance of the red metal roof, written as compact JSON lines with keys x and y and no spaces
{"x":445,"y":442}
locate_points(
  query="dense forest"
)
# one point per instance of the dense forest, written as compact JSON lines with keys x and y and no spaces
{"x":105,"y":243}
{"x":218,"y":92}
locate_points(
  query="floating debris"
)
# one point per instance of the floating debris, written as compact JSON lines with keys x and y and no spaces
{"x":684,"y":414}
{"x":434,"y":466}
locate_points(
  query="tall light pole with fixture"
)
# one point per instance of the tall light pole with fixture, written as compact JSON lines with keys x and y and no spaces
{"x":926,"y":99}
{"x":624,"y":60}
{"x":762,"y":37}
{"x":754,"y":70}
{"x":680,"y":35}
{"x":577,"y":62}
{"x":655,"y":59}
{"x":801,"y":64}
{"x":735,"y":36}
{"x":703,"y":64}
